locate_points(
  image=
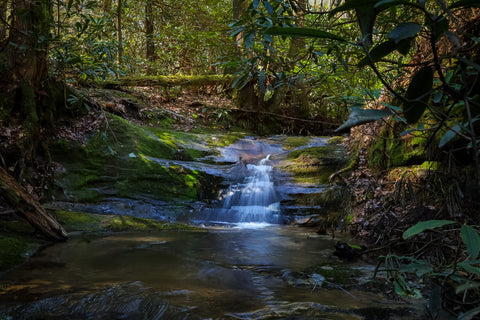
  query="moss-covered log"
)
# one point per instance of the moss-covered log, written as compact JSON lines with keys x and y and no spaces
{"x":166,"y":81}
{"x":31,"y":210}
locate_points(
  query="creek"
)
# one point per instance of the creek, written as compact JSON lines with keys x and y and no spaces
{"x":243,"y":262}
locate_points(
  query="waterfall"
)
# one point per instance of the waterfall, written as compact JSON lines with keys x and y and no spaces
{"x":253,"y":200}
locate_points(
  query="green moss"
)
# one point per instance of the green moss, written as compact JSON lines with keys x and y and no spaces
{"x":130,"y":223}
{"x":17,"y":242}
{"x":168,"y":81}
{"x":336,"y":140}
{"x":391,"y":149}
{"x":295,"y":142}
{"x":123,"y":161}
{"x":316,"y":152}
{"x":80,"y":221}
{"x":316,"y":164}
{"x":13,"y":251}
{"x":339,"y":274}
{"x":143,"y":176}
{"x":430,"y":165}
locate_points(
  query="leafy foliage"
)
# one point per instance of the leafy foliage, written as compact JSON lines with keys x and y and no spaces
{"x":441,"y":91}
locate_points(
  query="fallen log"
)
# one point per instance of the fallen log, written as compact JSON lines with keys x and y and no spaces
{"x":165,"y":81}
{"x":30,"y":209}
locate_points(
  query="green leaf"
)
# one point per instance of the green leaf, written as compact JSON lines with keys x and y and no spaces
{"x":420,"y":84}
{"x":360,"y":116}
{"x":384,"y":3}
{"x":404,"y":46}
{"x":466,"y":286}
{"x":425,"y":225}
{"x":420,"y":268}
{"x":469,"y":314}
{"x":261,"y":81}
{"x":268,"y":6}
{"x":471,"y":239}
{"x":469,"y":267}
{"x":401,"y":286}
{"x":470,"y":63}
{"x":366,"y":15}
{"x":404,"y":31}
{"x":354,"y":246}
{"x":303,"y":32}
{"x":449,"y":135}
{"x":378,"y":52}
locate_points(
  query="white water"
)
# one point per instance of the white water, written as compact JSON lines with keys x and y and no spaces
{"x":253,"y":202}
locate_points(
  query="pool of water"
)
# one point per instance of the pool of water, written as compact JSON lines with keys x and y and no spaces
{"x":242,"y":272}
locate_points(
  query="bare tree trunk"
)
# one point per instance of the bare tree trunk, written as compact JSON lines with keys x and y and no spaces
{"x":26,"y":56}
{"x":297,"y":44}
{"x":30,"y":209}
{"x":246,"y":96}
{"x":3,"y":20}
{"x":237,"y":12}
{"x":119,"y":31}
{"x":296,"y":51}
{"x":27,"y":91}
{"x":107,"y":6}
{"x":150,"y":44}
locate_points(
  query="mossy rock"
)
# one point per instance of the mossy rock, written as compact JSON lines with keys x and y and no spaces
{"x":391,"y":149}
{"x":339,"y":273}
{"x":13,"y":251}
{"x":323,"y":155}
{"x":17,"y":242}
{"x":416,"y":171}
{"x":292,"y":142}
{"x":316,"y":163}
{"x":123,"y":161}
{"x":88,"y":222}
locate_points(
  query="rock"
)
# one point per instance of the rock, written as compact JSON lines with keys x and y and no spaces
{"x":346,"y":251}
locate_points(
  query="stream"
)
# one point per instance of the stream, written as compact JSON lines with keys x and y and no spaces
{"x":243,"y":262}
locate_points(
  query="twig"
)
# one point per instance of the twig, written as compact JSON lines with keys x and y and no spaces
{"x":340,"y":287}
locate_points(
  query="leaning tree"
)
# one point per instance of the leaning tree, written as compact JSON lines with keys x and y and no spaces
{"x":30,"y":99}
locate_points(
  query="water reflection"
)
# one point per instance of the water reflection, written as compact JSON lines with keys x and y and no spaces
{"x":222,"y":273}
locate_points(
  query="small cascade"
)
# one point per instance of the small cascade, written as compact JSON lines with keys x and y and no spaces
{"x":254,"y":200}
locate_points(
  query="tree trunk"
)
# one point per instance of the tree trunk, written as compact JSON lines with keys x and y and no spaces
{"x":298,"y":92}
{"x":150,"y":54}
{"x":238,"y":9}
{"x":166,"y":81}
{"x":107,"y":6}
{"x":3,"y":20}
{"x":29,"y":39}
{"x":27,"y":92}
{"x":119,"y":31}
{"x":149,"y":35}
{"x":30,"y":209}
{"x":297,"y":44}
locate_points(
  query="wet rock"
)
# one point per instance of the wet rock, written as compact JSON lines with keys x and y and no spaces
{"x":346,"y":251}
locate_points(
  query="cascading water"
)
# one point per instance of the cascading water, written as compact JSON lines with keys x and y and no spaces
{"x":253,"y":200}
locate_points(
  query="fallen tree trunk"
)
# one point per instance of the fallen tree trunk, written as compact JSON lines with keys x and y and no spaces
{"x":166,"y":81}
{"x":28,"y":208}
